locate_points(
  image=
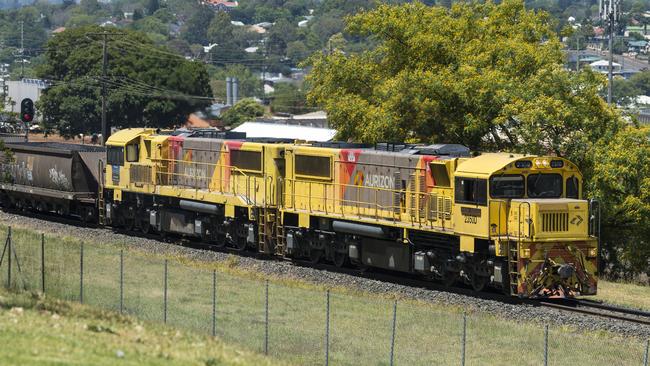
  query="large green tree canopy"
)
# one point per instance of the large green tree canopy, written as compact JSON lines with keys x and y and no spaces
{"x":147,"y":86}
{"x":485,"y":75}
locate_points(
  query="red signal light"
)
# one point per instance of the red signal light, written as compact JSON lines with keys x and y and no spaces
{"x":27,"y":117}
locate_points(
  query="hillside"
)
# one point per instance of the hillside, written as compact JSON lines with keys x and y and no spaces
{"x":43,"y":331}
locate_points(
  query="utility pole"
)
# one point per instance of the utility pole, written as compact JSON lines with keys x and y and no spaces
{"x":577,"y":53}
{"x":609,"y":12}
{"x":22,"y":49}
{"x":106,"y":128}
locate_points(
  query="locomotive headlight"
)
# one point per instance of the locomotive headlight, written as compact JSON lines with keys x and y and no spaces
{"x":545,"y":163}
{"x":524,"y":253}
{"x":592,"y":252}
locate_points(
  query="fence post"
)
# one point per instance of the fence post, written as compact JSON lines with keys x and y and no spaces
{"x":81,"y":273}
{"x":645,"y":355}
{"x":546,"y":345}
{"x":392,"y":339}
{"x":43,"y":263}
{"x":327,"y":329}
{"x":214,"y":302}
{"x":121,"y":281}
{"x":266,"y":318}
{"x":462,"y":352}
{"x":165,"y":295}
{"x":8,"y":246}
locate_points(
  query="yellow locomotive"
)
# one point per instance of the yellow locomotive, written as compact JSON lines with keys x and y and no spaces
{"x":515,"y":222}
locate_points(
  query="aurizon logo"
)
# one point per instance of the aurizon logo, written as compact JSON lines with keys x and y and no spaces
{"x":358,"y":178}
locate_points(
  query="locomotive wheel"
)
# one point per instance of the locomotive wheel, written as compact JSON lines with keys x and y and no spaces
{"x":145,"y":226}
{"x":129,"y":224}
{"x":449,"y":278}
{"x":315,"y":255}
{"x":478,"y":282}
{"x":239,"y":244}
{"x":340,"y":259}
{"x":220,"y":242}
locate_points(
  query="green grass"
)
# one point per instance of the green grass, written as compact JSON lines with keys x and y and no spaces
{"x":43,"y":331}
{"x":626,"y":294}
{"x":360,"y":323}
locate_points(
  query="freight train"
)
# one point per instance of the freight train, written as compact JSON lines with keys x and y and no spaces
{"x":517,"y":223}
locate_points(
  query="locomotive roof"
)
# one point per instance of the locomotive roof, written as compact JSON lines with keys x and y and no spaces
{"x":486,"y":164}
{"x":122,"y":137}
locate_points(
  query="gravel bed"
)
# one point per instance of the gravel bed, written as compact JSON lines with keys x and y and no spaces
{"x":511,"y":312}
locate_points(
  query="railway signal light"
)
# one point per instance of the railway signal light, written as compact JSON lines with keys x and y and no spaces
{"x":27,"y":110}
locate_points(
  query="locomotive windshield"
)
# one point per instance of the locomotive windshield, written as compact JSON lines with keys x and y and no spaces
{"x":544,"y":185}
{"x":507,"y":186}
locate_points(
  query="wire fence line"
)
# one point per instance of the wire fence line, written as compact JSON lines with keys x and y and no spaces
{"x":303,"y":326}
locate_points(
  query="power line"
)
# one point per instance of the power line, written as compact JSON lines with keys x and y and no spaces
{"x":106,"y":130}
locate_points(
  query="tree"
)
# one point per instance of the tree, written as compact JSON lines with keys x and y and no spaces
{"x":147,"y":86}
{"x":641,"y":82}
{"x":152,"y":6}
{"x":485,"y":75}
{"x":220,"y":29}
{"x":624,"y":91}
{"x":288,"y":99}
{"x":196,"y":28}
{"x":137,"y":14}
{"x":621,"y":182}
{"x":245,"y":110}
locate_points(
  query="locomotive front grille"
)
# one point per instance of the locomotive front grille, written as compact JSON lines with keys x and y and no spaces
{"x":555,"y":221}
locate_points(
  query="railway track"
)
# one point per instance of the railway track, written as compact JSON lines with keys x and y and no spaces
{"x":599,"y":309}
{"x":582,"y":306}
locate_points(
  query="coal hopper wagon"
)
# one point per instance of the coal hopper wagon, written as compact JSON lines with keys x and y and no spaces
{"x":52,"y":177}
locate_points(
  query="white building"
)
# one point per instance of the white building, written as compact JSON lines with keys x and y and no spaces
{"x":25,"y":88}
{"x":602,"y":66}
{"x":273,"y":130}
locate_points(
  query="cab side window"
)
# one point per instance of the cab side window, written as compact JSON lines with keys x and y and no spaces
{"x":470,"y":190}
{"x":132,"y":152}
{"x":572,"y":188}
{"x":115,"y":155}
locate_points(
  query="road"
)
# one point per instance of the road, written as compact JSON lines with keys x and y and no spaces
{"x":628,"y":63}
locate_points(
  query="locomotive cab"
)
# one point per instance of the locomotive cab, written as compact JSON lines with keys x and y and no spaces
{"x":528,"y":212}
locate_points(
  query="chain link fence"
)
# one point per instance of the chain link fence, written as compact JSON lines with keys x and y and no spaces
{"x":299,"y":325}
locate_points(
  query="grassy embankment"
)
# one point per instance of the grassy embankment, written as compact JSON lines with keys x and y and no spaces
{"x":360,"y":322}
{"x":626,"y":294}
{"x":44,"y":331}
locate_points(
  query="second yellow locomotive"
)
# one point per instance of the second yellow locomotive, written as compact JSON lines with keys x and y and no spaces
{"x":515,"y":222}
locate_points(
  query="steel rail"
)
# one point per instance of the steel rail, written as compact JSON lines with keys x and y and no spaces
{"x":583,"y":306}
{"x":599,"y":309}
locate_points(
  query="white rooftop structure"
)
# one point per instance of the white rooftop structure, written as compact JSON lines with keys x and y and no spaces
{"x":273,"y":130}
{"x":603,"y":66}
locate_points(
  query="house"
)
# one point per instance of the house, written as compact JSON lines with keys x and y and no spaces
{"x":221,"y":5}
{"x":602,"y":66}
{"x":257,"y":29}
{"x":637,"y":46}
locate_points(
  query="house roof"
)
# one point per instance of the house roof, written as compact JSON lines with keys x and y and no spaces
{"x":604,"y":63}
{"x":637,"y":43}
{"x":230,"y":4}
{"x":260,"y":129}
